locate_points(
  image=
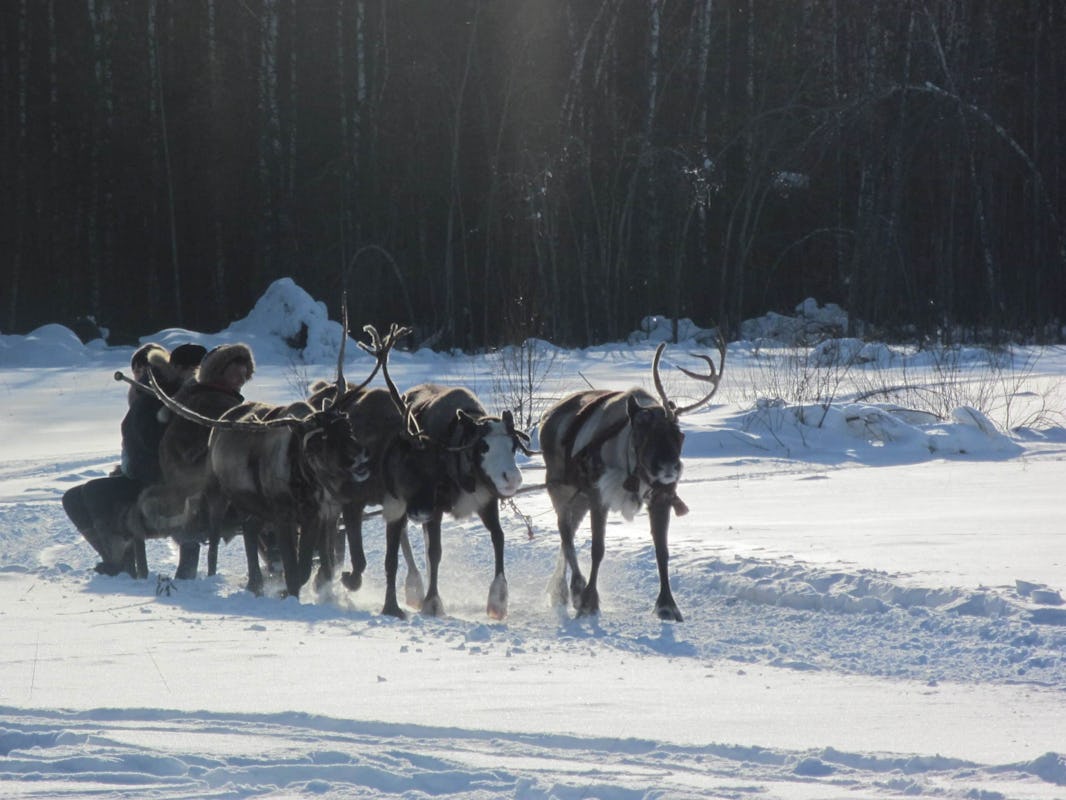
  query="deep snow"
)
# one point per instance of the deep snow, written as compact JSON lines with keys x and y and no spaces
{"x":869,"y":598}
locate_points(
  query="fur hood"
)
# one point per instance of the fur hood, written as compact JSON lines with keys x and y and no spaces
{"x":144,"y":353}
{"x":216,"y":361}
{"x":165,"y":374}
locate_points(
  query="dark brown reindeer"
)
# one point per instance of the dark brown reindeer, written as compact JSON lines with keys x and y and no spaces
{"x":616,"y":451}
{"x":289,"y":468}
{"x":404,"y":467}
{"x":477,"y":453}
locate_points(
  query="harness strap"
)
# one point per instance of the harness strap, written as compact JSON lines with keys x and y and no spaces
{"x":459,"y":466}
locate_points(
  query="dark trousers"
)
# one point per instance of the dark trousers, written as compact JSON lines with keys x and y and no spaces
{"x":99,"y":511}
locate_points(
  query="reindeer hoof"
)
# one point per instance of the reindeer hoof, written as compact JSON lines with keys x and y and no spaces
{"x":589,"y":604}
{"x":669,"y":613}
{"x":433,"y":606}
{"x":497,"y":605}
{"x":322,"y":579}
{"x":255,"y":588}
{"x":578,"y":589}
{"x":413,"y":591}
{"x":393,"y":610}
{"x":352,"y":581}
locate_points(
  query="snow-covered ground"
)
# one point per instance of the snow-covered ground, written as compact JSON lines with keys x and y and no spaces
{"x":871,"y":601}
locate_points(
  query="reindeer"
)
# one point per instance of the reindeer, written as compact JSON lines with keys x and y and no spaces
{"x":477,"y":453}
{"x":616,"y":451}
{"x":291,"y":467}
{"x":405,"y":468}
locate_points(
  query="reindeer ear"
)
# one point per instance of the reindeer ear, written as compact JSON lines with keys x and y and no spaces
{"x":635,"y":410}
{"x":465,"y":420}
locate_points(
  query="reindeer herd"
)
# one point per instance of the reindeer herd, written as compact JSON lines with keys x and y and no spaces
{"x":282,"y":477}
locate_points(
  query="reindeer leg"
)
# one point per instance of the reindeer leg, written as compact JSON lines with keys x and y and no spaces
{"x":659,"y":513}
{"x":188,"y":560}
{"x":251,"y":553}
{"x":432,"y":604}
{"x":558,"y":593}
{"x":212,"y":554}
{"x":324,"y":532}
{"x":270,"y":548}
{"x":497,"y":604}
{"x":393,"y":531}
{"x":413,"y":589}
{"x":287,"y":544}
{"x":313,"y":538}
{"x":140,"y":557}
{"x":590,"y":597}
{"x":338,"y":542}
{"x":569,"y":513}
{"x":353,"y":525}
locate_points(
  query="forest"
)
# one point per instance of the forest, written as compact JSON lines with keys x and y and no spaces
{"x":491,"y":170}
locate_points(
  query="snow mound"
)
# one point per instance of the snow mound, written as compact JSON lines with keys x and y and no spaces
{"x":811,"y":323}
{"x":881,"y":432}
{"x":287,"y":322}
{"x":48,"y":346}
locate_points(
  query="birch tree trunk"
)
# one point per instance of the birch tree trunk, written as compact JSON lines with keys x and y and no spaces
{"x":157,"y":85}
{"x":219,"y":275}
{"x":101,"y":23}
{"x":20,"y":187}
{"x":455,"y":188}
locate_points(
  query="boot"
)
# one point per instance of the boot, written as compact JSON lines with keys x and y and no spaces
{"x":99,"y":543}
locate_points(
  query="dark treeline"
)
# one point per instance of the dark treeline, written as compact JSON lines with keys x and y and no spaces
{"x":493,"y":169}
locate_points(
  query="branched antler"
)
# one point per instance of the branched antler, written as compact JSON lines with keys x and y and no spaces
{"x":713,"y":377}
{"x":380,"y":348}
{"x":342,"y":384}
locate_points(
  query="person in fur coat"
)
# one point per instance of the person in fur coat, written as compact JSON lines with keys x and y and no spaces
{"x":99,"y":508}
{"x":174,"y":507}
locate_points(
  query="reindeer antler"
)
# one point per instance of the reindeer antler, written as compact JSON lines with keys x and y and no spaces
{"x":714,"y":377}
{"x":208,"y":422}
{"x":342,"y":384}
{"x":381,"y":349}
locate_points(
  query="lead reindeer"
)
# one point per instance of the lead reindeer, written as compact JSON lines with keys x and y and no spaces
{"x":616,"y":451}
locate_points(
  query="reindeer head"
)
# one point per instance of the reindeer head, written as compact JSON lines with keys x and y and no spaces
{"x":492,"y":443}
{"x":331,"y":453}
{"x":657,"y":441}
{"x":657,"y":436}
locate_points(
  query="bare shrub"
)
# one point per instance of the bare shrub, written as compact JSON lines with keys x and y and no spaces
{"x":518,"y":375}
{"x":799,"y":376}
{"x":1002,"y":385}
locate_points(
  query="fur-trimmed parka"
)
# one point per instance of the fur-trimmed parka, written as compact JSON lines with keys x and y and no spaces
{"x":143,"y":426}
{"x":183,"y":450}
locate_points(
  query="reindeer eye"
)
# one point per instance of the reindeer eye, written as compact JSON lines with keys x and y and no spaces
{"x":482,"y":447}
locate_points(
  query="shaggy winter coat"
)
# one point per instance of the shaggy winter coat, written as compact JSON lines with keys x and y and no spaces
{"x":183,"y":449}
{"x":143,"y":426}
